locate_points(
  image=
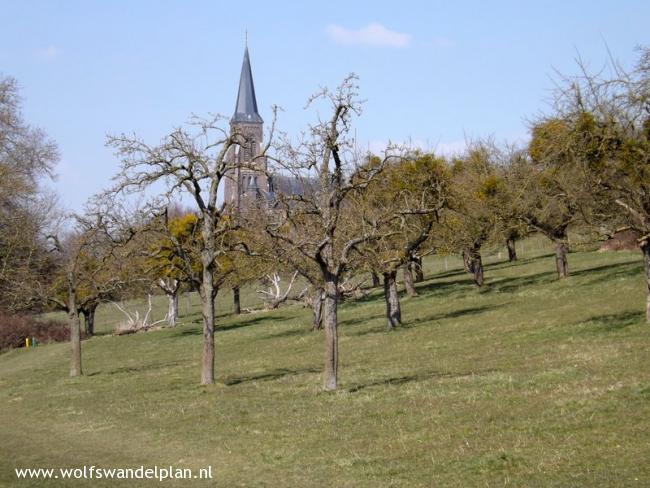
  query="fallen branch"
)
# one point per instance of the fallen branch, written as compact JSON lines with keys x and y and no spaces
{"x":273,"y":297}
{"x":133,"y":322}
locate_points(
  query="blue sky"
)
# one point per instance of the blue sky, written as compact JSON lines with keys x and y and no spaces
{"x":433,"y":72}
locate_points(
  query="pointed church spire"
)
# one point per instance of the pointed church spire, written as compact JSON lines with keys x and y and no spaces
{"x":246,"y":107}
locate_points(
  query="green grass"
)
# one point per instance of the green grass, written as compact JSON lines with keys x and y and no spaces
{"x":527,"y":382}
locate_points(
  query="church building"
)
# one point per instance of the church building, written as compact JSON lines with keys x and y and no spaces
{"x":248,"y":180}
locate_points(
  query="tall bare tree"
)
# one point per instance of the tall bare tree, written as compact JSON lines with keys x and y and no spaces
{"x":477,"y":190}
{"x":604,"y":118}
{"x":86,"y":269}
{"x":270,"y":258}
{"x":191,"y":160}
{"x":554,"y":183}
{"x":316,"y":221}
{"x":511,"y":227}
{"x":172,"y":246}
{"x":407,"y":200}
{"x":27,"y":157}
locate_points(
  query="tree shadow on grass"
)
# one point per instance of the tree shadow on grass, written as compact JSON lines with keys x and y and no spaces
{"x":195,"y":317}
{"x":262,"y":317}
{"x":446,"y":274}
{"x":505,"y":264}
{"x":184,"y":331}
{"x":446,"y":287}
{"x":491,"y":266}
{"x":513,"y":285}
{"x":609,"y":272}
{"x":372,"y":295}
{"x":269,"y":376}
{"x":429,"y":318}
{"x":453,"y":314}
{"x":612,"y":322}
{"x":609,"y":267}
{"x":137,"y":369}
{"x":503,"y":285}
{"x":423,"y":376}
{"x":290,"y":333}
{"x":359,"y":320}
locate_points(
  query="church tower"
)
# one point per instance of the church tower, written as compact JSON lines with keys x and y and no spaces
{"x":250,"y":180}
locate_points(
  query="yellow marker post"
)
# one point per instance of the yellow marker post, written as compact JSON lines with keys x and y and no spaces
{"x":27,"y":343}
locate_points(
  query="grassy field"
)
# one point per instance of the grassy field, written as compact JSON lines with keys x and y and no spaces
{"x":527,"y":382}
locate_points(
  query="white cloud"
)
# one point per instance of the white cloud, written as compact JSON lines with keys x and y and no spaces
{"x":50,"y":52}
{"x":371,"y":35}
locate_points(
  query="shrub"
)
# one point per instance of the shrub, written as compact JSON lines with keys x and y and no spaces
{"x":14,"y":329}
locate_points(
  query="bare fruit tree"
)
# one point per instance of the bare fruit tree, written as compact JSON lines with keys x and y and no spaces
{"x":407,"y":199}
{"x":288,"y":260}
{"x":85,"y":268}
{"x":70,"y":253}
{"x":316,"y":221}
{"x":191,"y":160}
{"x":605,"y":118}
{"x":27,"y":159}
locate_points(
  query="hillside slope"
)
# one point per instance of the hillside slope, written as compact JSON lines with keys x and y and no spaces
{"x":527,"y":382}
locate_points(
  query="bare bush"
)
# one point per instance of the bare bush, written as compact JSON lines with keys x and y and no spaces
{"x":14,"y":329}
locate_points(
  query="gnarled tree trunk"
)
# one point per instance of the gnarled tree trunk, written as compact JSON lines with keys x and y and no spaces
{"x":476,"y":265}
{"x":418,"y":270}
{"x":75,"y":336}
{"x":331,"y":334}
{"x":375,"y":279}
{"x":408,"y":280}
{"x":208,"y":294}
{"x":172,"y":310}
{"x":171,"y":287}
{"x":317,"y":309}
{"x":89,"y":318}
{"x":561,"y":251}
{"x":467,"y":261}
{"x":477,"y":268}
{"x":645,"y":249}
{"x":393,"y":311}
{"x":512,"y":250}
{"x":236,"y":301}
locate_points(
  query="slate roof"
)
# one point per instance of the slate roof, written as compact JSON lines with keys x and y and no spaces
{"x":246,"y":107}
